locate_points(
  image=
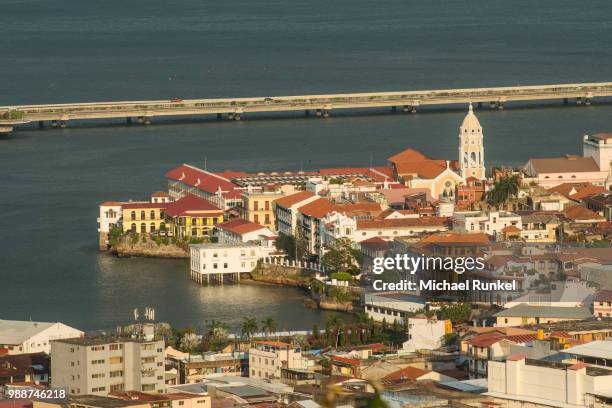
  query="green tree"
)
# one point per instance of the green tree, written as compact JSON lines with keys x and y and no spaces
{"x":342,"y":256}
{"x":249,"y":327}
{"x":315,"y":331}
{"x":335,"y":323}
{"x":503,"y":190}
{"x":216,"y":335}
{"x":269,"y":325}
{"x":456,"y":313}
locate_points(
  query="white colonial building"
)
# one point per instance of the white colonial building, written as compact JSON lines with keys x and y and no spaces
{"x":24,"y":337}
{"x":491,"y":223}
{"x":267,"y":359}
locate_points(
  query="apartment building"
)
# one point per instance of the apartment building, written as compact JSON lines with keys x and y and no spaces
{"x":520,"y":382}
{"x":267,"y":359}
{"x":98,"y":366}
{"x":602,"y":304}
{"x":258,"y":205}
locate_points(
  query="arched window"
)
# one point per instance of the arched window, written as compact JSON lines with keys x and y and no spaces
{"x":152,"y":229}
{"x":194,"y":232}
{"x":162,"y":226}
{"x":133,"y":215}
{"x":142,"y":215}
{"x":133,"y":228}
{"x":152,"y":214}
{"x":143,"y":228}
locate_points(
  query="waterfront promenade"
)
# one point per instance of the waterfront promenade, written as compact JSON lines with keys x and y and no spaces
{"x":319,"y":105}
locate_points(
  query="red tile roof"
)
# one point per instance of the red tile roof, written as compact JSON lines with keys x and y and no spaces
{"x":191,"y":204}
{"x":522,"y":338}
{"x":407,"y":155}
{"x":201,"y":179}
{"x":426,"y":169}
{"x":517,"y":357}
{"x":408,"y":373}
{"x":578,"y":213}
{"x":317,"y":208}
{"x":603,"y":296}
{"x":577,"y":366}
{"x":292,"y":199}
{"x":486,"y":340}
{"x":110,"y":203}
{"x":160,"y":194}
{"x":346,"y":360}
{"x":240,"y":226}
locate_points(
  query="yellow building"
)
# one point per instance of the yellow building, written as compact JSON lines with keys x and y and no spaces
{"x":144,"y":217}
{"x":258,"y":207}
{"x":193,"y":216}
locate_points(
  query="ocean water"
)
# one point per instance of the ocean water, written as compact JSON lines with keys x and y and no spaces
{"x":51,"y":181}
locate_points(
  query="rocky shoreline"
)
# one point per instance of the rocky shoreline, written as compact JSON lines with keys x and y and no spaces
{"x":126,"y":248}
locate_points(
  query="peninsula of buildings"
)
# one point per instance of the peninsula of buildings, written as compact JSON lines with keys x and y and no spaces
{"x":546,"y":226}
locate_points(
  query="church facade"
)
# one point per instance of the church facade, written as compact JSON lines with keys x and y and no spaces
{"x":441,"y":177}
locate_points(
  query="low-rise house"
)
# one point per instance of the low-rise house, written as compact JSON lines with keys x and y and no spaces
{"x":600,"y":203}
{"x":577,"y":191}
{"x":285,"y":210}
{"x":196,"y":368}
{"x":602,"y":303}
{"x":218,"y":189}
{"x":110,"y":216}
{"x":539,"y":228}
{"x":491,"y":223}
{"x":258,"y":204}
{"x":239,"y":230}
{"x":550,"y":172}
{"x":26,"y":337}
{"x":426,"y":333}
{"x":193,"y":216}
{"x":391,"y":307}
{"x":171,"y":400}
{"x":371,"y":249}
{"x":24,"y":368}
{"x":144,"y":217}
{"x":519,"y":381}
{"x":471,"y":192}
{"x":523,"y":315}
{"x":267,"y":358}
{"x":232,"y":259}
{"x":415,"y":374}
{"x":483,"y":348}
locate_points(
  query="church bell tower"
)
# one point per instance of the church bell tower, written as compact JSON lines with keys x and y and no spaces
{"x":471,"y":149}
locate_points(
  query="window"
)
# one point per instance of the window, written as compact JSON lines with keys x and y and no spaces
{"x":133,"y":215}
{"x":115,"y":347}
{"x":267,"y":219}
{"x":152,"y":229}
{"x":114,"y":374}
{"x":97,"y":348}
{"x":117,"y":387}
{"x":148,"y":387}
{"x":142,"y":215}
{"x":152,"y":214}
{"x":115,"y":360}
{"x":98,"y":389}
{"x":256,"y":218}
{"x":98,"y":375}
{"x":143,"y":228}
{"x":133,"y":228}
{"x":94,"y":362}
{"x":225,"y":265}
{"x":267,"y":206}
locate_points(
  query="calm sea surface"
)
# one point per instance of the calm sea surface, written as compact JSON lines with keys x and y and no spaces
{"x":75,"y":50}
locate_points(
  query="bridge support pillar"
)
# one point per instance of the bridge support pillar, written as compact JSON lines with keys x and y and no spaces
{"x":230,"y":116}
{"x":414,"y":109}
{"x":147,"y":120}
{"x":54,"y":123}
{"x":319,"y":112}
{"x":492,"y":105}
{"x":41,"y":124}
{"x":141,"y":119}
{"x":325,"y":113}
{"x":587,"y":101}
{"x":236,"y":116}
{"x":500,"y":106}
{"x":307,"y":113}
{"x":405,"y":108}
{"x":219,"y":116}
{"x":565,"y":101}
{"x":128,"y":121}
{"x":394,"y":109}
{"x":62,"y":124}
{"x":578,"y":101}
{"x":479,"y":105}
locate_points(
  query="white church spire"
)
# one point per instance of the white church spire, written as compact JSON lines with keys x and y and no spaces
{"x":471,"y":148}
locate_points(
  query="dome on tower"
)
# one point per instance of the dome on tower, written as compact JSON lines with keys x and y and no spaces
{"x":470,"y":122}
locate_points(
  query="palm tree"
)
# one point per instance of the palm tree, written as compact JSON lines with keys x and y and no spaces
{"x":268,"y":325}
{"x":249,"y":327}
{"x":335,"y":323}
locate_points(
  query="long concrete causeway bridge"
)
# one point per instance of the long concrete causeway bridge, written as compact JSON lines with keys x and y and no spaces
{"x":320,"y":105}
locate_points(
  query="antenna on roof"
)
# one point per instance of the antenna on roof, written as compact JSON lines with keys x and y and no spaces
{"x":205,"y":162}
